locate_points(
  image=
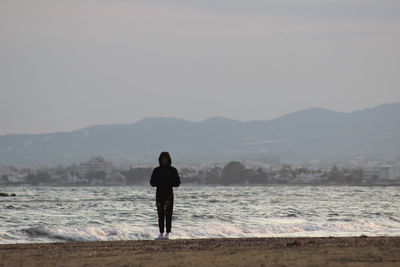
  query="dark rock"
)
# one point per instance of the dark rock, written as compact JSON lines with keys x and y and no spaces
{"x":294,"y":243}
{"x":7,"y":195}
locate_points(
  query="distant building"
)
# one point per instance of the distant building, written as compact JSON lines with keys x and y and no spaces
{"x":381,"y":174}
{"x":371,"y":175}
{"x":388,"y":172}
{"x":96,"y":164}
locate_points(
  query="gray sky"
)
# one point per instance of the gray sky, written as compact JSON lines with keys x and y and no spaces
{"x":66,"y":64}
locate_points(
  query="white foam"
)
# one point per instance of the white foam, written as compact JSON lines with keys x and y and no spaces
{"x":210,"y":229}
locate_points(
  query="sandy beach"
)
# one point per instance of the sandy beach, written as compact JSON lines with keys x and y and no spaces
{"x":324,"y":251}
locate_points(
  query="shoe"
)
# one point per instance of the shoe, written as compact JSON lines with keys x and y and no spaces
{"x":160,"y":237}
{"x":166,"y":237}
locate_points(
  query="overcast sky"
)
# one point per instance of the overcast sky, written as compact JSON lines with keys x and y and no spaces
{"x":67,"y":64}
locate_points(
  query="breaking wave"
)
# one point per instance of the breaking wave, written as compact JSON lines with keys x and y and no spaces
{"x":128,"y":213}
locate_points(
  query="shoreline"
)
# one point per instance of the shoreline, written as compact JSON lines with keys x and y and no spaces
{"x":222,"y":185}
{"x":270,"y":251}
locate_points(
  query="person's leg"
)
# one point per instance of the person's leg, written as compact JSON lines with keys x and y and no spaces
{"x":161,"y":214}
{"x":169,"y":204}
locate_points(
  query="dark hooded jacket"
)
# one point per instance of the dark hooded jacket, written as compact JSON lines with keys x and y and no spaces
{"x":165,"y":177}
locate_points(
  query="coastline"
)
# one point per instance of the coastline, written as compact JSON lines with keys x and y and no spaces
{"x":11,"y":194}
{"x":290,"y":251}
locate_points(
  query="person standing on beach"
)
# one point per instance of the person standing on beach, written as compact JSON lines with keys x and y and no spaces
{"x":164,"y":177}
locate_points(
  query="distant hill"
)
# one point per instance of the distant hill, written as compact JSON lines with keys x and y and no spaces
{"x":313,"y":133}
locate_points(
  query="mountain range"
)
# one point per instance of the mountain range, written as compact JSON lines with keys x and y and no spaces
{"x":310,"y":134}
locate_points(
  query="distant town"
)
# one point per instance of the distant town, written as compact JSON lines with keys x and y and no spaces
{"x":98,"y":171}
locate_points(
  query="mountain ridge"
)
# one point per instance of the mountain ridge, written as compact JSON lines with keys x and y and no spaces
{"x":213,"y":118}
{"x":308,"y":134}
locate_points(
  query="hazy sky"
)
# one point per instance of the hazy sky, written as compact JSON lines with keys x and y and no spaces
{"x":66,"y":64}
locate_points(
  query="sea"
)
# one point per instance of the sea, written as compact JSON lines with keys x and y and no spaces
{"x":63,"y":214}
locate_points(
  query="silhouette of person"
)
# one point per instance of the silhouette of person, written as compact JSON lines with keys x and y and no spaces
{"x":164,"y":177}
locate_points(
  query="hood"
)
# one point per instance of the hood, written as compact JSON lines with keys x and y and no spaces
{"x":164,"y":154}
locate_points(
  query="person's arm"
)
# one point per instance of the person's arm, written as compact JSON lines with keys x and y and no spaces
{"x":153,"y":179}
{"x":177,"y":179}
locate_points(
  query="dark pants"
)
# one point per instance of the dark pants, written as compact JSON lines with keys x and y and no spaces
{"x":165,"y":205}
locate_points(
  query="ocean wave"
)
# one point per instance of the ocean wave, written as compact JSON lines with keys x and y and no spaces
{"x":393,"y":218}
{"x":43,"y":232}
{"x":116,"y":213}
{"x":81,"y":234}
{"x":211,"y":229}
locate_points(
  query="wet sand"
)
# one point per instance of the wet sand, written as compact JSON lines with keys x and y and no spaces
{"x":316,"y":251}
